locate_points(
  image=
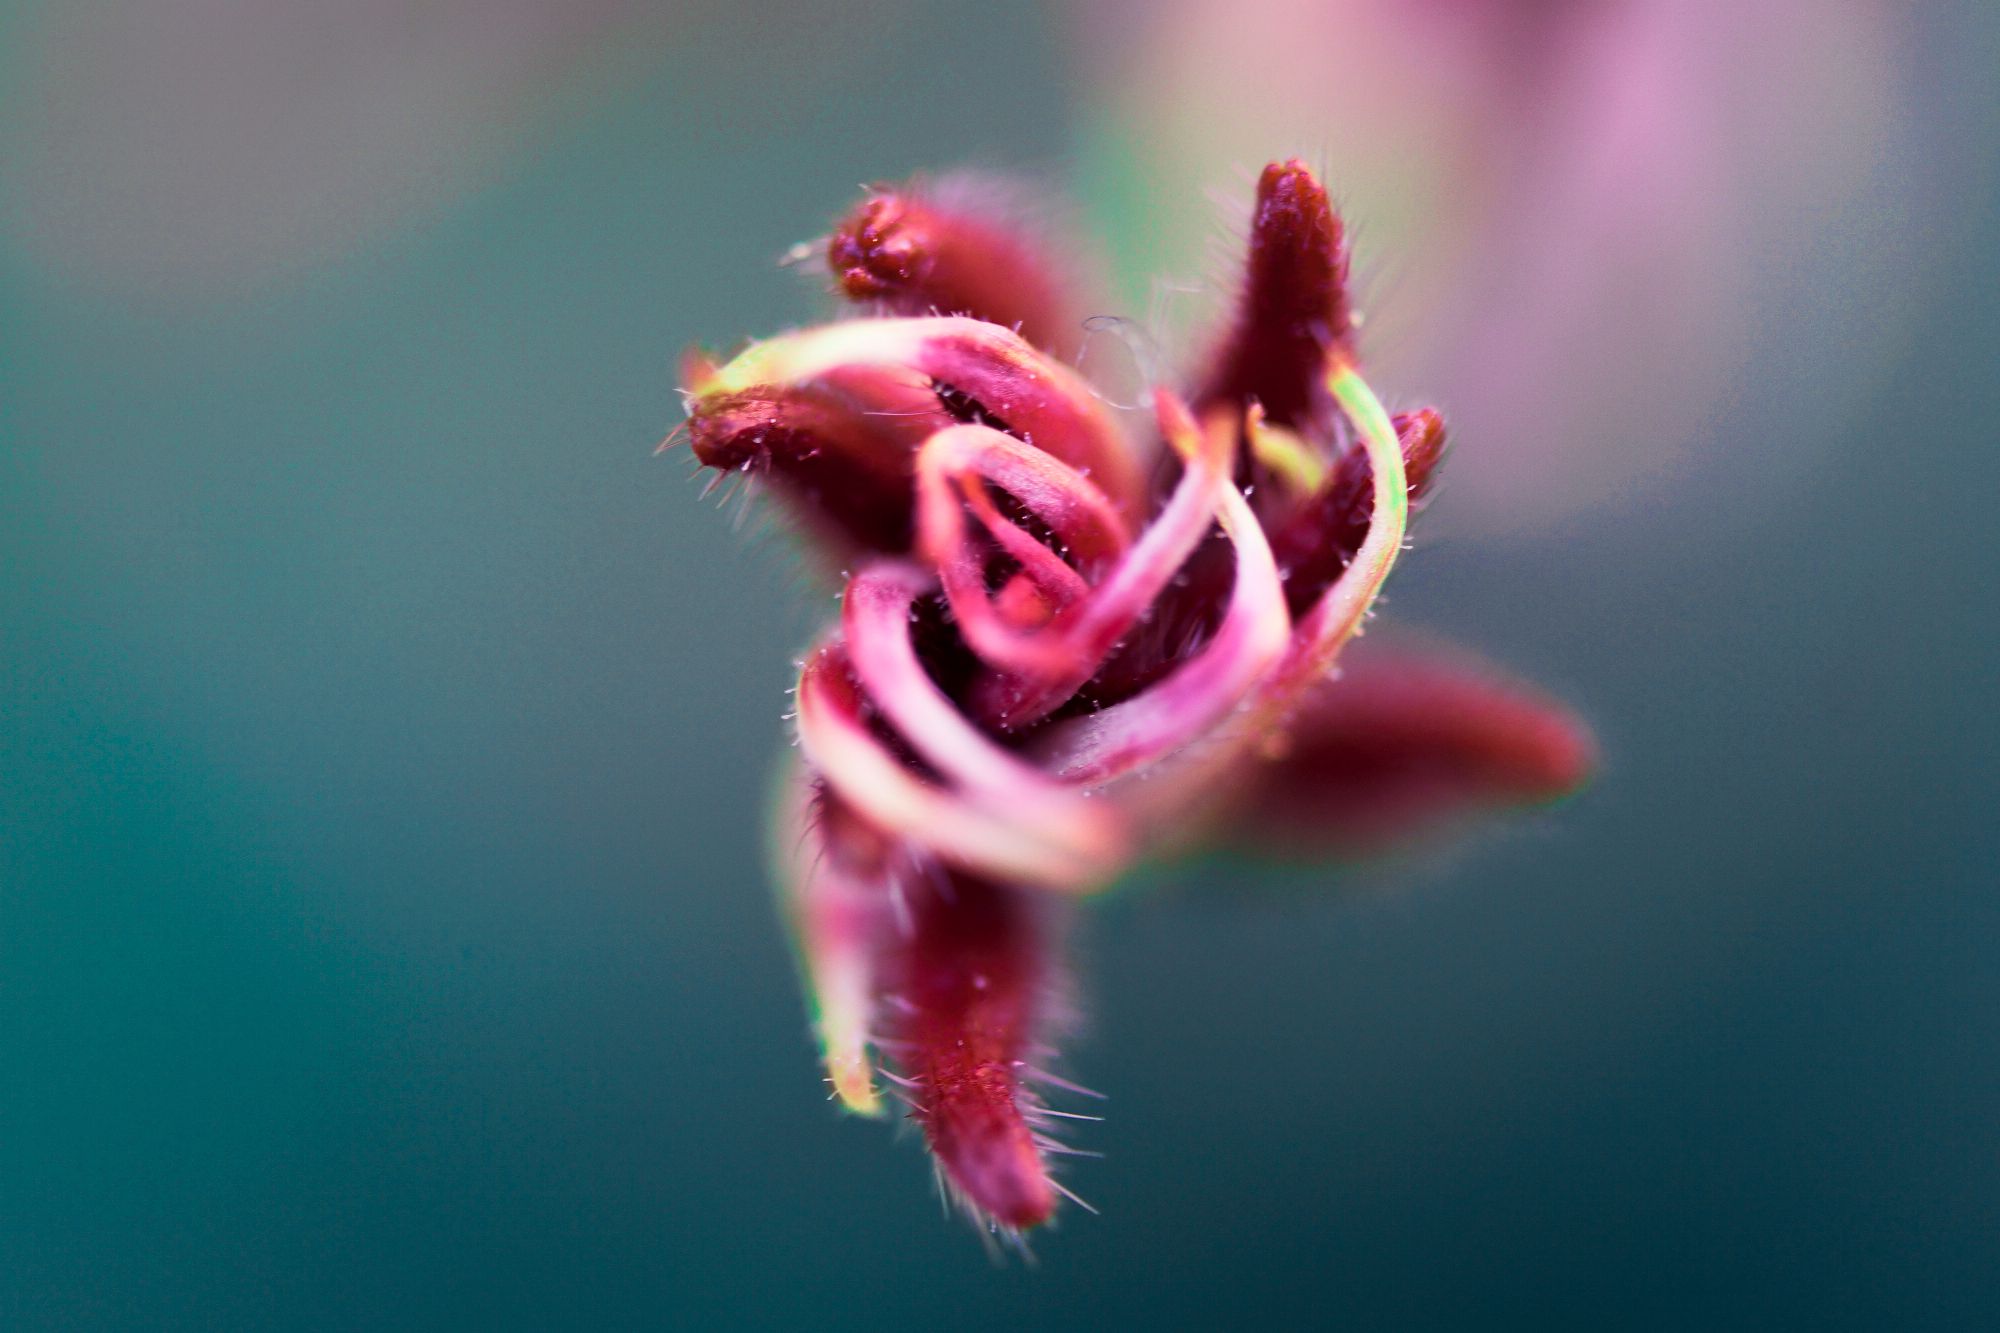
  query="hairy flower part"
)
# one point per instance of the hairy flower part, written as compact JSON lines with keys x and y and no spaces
{"x":1295,"y":309}
{"x":1070,"y":642}
{"x":951,"y":249}
{"x":1406,"y":738}
{"x":968,"y":1001}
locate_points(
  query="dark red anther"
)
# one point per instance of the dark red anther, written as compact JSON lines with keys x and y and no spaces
{"x":911,"y":255}
{"x":1294,"y":307}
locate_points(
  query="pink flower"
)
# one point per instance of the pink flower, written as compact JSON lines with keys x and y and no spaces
{"x":1066,"y":646}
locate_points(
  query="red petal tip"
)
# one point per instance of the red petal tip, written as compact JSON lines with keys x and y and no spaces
{"x":1422,"y":436}
{"x":1403,"y":742}
{"x":1294,"y":308}
{"x":972,"y":985}
{"x":914,"y":252}
{"x":986,"y":1149}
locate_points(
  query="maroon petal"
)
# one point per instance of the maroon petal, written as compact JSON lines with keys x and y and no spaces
{"x":952,"y":976}
{"x":964,"y":1010}
{"x":834,"y":416}
{"x":910,"y":250}
{"x":1402,"y":741}
{"x":1294,"y":308}
{"x":839,"y":450}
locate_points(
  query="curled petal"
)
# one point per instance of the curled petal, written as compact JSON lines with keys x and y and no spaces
{"x":915,"y":251}
{"x":977,"y":372}
{"x":1316,"y":541}
{"x":1078,"y":852}
{"x":1404,"y":740}
{"x":1041,"y":666}
{"x":1199,"y":693}
{"x":954,"y":471}
{"x":1192,"y":777}
{"x":879,"y":610}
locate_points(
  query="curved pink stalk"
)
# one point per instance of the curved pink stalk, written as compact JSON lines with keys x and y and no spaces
{"x":880,"y":604}
{"x":1040,"y":667}
{"x":1198,"y":694}
{"x":1074,"y":854}
{"x":1338,"y":615}
{"x":952,"y":475}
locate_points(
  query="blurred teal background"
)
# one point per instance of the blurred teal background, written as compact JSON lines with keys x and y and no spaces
{"x":383,"y":731}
